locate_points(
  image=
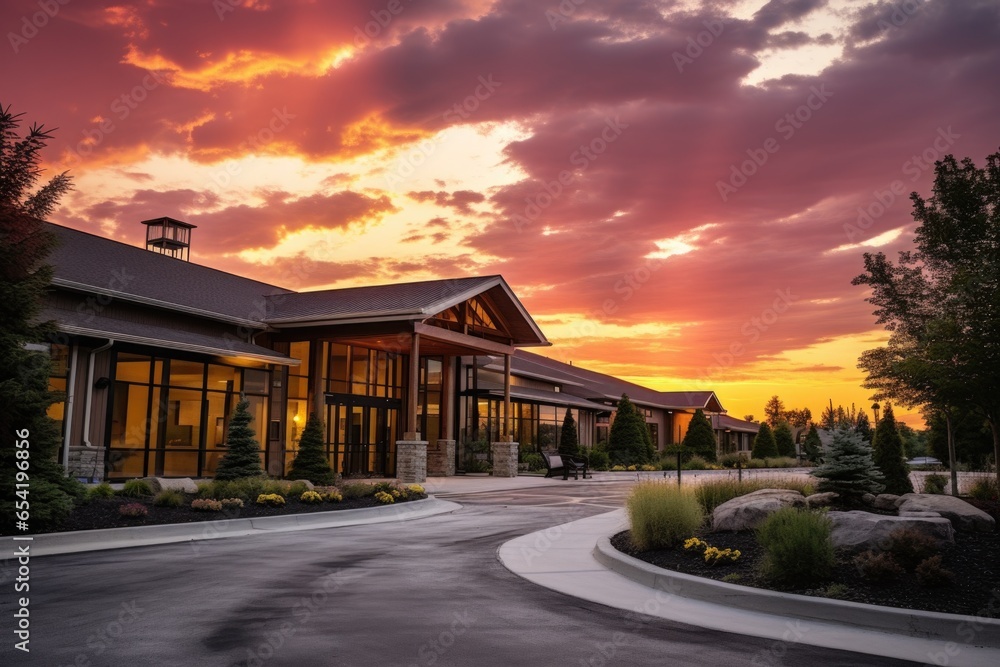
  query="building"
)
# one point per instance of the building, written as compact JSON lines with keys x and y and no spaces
{"x":153,"y":352}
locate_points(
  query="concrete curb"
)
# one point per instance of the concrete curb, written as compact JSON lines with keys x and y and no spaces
{"x":922,"y":624}
{"x":49,"y":544}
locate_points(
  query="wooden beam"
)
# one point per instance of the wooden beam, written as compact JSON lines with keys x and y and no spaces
{"x":506,"y":399}
{"x":471,"y":343}
{"x":414,"y":389}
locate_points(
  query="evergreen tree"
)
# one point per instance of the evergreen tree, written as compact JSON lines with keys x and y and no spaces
{"x":774,"y":411}
{"x":25,"y":427}
{"x":700,"y":438}
{"x":629,"y":440}
{"x":849,"y":469}
{"x":310,"y":461}
{"x":812,"y":446}
{"x":783,"y":439}
{"x":569,"y":444}
{"x":887,"y":453}
{"x":243,"y":457}
{"x":864,"y":427}
{"x":764,"y":445}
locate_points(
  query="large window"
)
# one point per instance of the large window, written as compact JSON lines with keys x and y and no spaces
{"x":170,"y":416}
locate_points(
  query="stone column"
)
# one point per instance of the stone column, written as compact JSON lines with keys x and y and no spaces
{"x":441,"y":459}
{"x":87,"y":463}
{"x":504,"y":459}
{"x":411,"y":461}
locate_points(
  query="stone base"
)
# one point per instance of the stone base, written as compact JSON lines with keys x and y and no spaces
{"x":441,"y":459}
{"x":411,"y":461}
{"x":504,"y":459}
{"x":86,"y":463}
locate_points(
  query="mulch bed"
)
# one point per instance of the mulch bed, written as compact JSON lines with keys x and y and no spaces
{"x":974,"y":559}
{"x":103,"y":513}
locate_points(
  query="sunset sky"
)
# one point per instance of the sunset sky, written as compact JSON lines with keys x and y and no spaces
{"x":671,"y":188}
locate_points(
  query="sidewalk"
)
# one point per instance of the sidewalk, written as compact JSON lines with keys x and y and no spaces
{"x":562,"y":558}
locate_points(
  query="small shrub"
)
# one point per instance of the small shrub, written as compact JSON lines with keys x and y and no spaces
{"x":984,"y":488}
{"x":311,"y":498}
{"x":715,"y":556}
{"x":662,"y":515}
{"x":296,"y":489}
{"x":384,"y":498}
{"x":206,"y":505}
{"x":648,"y":467}
{"x":534,"y":461}
{"x":133,"y":511}
{"x":598,"y":458}
{"x":136,"y":488}
{"x":417,"y":489}
{"x":271,"y":499}
{"x":695,"y":463}
{"x":733,"y":578}
{"x":730,"y":460}
{"x":102,"y":490}
{"x":232,"y":503}
{"x":282,"y":488}
{"x":617,"y":468}
{"x":170,"y":498}
{"x":935,"y":483}
{"x":910,"y":547}
{"x":631,"y":468}
{"x":836,"y":591}
{"x":478,"y":466}
{"x":205,"y":490}
{"x":878,"y":568}
{"x":333,"y":497}
{"x":358,"y":490}
{"x":932,"y":575}
{"x":695,"y":545}
{"x":797,"y":546}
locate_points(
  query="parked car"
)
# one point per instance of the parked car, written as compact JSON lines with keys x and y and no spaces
{"x":924,"y":461}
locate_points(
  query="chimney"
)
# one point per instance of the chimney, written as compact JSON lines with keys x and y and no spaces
{"x":170,"y":237}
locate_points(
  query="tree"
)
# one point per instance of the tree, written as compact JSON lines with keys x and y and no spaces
{"x":774,"y":411}
{"x":887,"y":453}
{"x":864,"y":427}
{"x":764,"y":445}
{"x":25,"y":245}
{"x":812,"y":446}
{"x":569,"y":443}
{"x":243,"y":456}
{"x":942,"y":300}
{"x":849,"y":470}
{"x":628,"y":441}
{"x":798,"y":418}
{"x":783,"y":440}
{"x":700,"y":437}
{"x":310,"y":461}
{"x":749,"y":418}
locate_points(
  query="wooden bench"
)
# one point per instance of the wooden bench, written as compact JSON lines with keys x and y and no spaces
{"x":555,"y":464}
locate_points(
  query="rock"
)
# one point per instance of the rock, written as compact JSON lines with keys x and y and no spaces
{"x":961,"y":514}
{"x":158,"y":484}
{"x":921,"y":515}
{"x":309,"y":485}
{"x":745,"y":512}
{"x":821,"y":499}
{"x":868,"y":499}
{"x":885,"y":501}
{"x":859,"y":530}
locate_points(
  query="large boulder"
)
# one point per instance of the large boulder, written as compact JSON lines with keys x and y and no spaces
{"x":859,"y":530}
{"x":824,"y":499}
{"x":885,"y":501}
{"x":745,"y":512}
{"x":961,"y":514}
{"x":158,"y":484}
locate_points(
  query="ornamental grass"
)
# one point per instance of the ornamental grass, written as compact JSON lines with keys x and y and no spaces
{"x":662,"y":515}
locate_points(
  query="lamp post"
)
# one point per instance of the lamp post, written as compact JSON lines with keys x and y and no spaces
{"x":875,"y":408}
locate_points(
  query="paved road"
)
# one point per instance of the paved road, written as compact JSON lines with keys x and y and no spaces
{"x":426,"y":592}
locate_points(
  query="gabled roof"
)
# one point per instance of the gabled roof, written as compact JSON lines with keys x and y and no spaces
{"x":600,"y":387}
{"x":724,"y":422}
{"x":93,"y":264}
{"x":405,"y":301}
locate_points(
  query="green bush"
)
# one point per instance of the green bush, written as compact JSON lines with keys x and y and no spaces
{"x":771,"y":462}
{"x":935,"y":483}
{"x":877,"y":568}
{"x":797,"y":547}
{"x":102,"y":490}
{"x":310,"y":460}
{"x":295,"y":488}
{"x":533,"y":461}
{"x":136,"y":488}
{"x":931,"y":574}
{"x":170,"y":498}
{"x":358,"y":490}
{"x":730,"y":460}
{"x":662,"y":515}
{"x":984,"y":488}
{"x":696,"y":463}
{"x":598,"y":458}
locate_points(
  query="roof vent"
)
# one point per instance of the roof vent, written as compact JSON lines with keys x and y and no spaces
{"x":170,"y":237}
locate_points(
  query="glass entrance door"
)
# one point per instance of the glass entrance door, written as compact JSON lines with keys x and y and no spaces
{"x":362,"y":432}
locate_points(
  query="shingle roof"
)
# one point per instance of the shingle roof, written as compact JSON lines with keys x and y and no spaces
{"x":94,"y":264}
{"x":733,"y":424}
